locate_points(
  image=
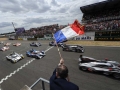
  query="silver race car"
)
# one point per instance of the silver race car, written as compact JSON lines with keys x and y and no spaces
{"x":14,"y":57}
{"x":105,"y":67}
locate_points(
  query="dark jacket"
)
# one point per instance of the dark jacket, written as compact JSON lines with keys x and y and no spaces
{"x":61,"y":84}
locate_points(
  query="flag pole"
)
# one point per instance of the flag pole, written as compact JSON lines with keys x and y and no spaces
{"x":13,"y":25}
{"x":16,"y":37}
{"x":57,"y":47}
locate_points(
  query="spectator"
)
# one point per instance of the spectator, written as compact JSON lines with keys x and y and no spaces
{"x":60,"y":80}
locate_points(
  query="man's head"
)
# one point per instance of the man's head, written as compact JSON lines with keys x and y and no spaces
{"x":62,"y":71}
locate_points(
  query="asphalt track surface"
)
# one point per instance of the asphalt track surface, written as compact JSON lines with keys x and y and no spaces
{"x":45,"y":66}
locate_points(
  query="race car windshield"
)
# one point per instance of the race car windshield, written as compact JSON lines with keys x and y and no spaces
{"x":14,"y":56}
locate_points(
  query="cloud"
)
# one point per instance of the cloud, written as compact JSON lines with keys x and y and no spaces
{"x":35,"y":13}
{"x":4,"y":24}
{"x":55,"y":3}
{"x":10,"y":6}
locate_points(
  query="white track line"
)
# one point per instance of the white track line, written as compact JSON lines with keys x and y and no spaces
{"x":14,"y":72}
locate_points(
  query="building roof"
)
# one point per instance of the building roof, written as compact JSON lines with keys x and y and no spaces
{"x":105,"y":5}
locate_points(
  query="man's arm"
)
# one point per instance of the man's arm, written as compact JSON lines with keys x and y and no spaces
{"x":62,"y":63}
{"x":54,"y":72}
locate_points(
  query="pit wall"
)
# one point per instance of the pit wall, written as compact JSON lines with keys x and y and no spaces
{"x":90,"y":36}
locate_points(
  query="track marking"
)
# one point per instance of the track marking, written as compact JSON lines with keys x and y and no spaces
{"x":14,"y":72}
{"x":49,"y":49}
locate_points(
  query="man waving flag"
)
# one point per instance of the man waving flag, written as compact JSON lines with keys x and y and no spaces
{"x":68,"y":32}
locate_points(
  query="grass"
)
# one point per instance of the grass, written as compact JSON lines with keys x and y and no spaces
{"x":2,"y":39}
{"x":95,"y":43}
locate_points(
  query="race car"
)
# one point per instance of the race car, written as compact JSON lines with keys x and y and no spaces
{"x":14,"y":57}
{"x":35,"y":54}
{"x":85,"y":59}
{"x":60,"y":44}
{"x":11,"y":38}
{"x":1,"y":42}
{"x":73,"y":48}
{"x":52,"y":43}
{"x":35,"y":44}
{"x":105,"y":67}
{"x":16,"y":44}
{"x":7,"y":44}
{"x":5,"y":48}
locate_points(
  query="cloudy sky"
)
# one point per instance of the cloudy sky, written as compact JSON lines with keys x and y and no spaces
{"x":36,"y":13}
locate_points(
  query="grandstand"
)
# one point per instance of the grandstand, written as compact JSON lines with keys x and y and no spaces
{"x":103,"y":18}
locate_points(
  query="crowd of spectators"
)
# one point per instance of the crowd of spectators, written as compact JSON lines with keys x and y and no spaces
{"x":40,"y":31}
{"x":104,"y":20}
{"x":102,"y":15}
{"x":106,"y":25}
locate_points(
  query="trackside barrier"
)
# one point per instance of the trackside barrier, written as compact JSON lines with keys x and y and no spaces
{"x":32,"y":86}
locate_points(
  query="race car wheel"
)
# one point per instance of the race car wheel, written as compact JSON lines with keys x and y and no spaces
{"x":7,"y":59}
{"x":37,"y":57}
{"x":116,"y":75}
{"x":12,"y":61}
{"x":22,"y":57}
{"x":28,"y":55}
{"x":83,"y":68}
{"x":78,"y":50}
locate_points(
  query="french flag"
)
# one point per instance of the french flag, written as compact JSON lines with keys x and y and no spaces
{"x":68,"y":32}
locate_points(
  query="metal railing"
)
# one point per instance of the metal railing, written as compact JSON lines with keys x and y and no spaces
{"x":40,"y":79}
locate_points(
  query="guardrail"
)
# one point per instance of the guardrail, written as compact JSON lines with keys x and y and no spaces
{"x":40,"y":79}
{"x":32,"y":86}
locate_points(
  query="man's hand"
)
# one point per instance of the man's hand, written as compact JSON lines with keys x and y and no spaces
{"x":61,"y":61}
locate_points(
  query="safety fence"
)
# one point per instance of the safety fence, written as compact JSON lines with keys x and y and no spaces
{"x":43,"y":81}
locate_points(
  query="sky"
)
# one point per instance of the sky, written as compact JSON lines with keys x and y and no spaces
{"x":37,"y":13}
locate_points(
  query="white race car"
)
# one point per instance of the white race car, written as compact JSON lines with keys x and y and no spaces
{"x":1,"y":42}
{"x":5,"y":48}
{"x":7,"y":44}
{"x":16,"y":44}
{"x":14,"y":57}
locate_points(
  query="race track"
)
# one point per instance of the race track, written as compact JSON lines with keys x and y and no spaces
{"x":34,"y":69}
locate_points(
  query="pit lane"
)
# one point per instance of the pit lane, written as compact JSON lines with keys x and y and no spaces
{"x":45,"y":66}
